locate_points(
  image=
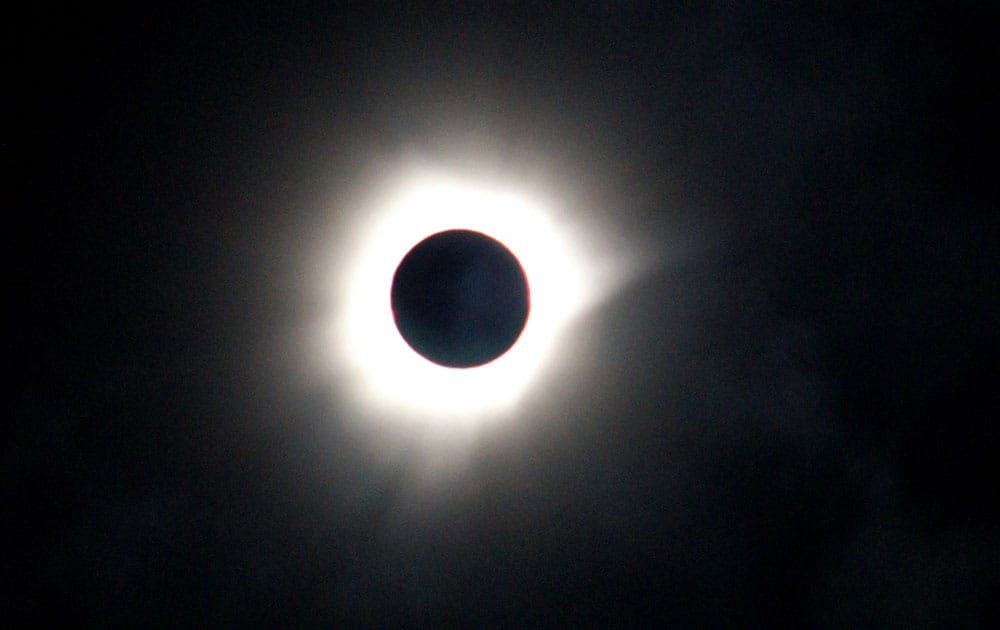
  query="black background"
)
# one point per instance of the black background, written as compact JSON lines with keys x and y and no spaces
{"x":790,"y":419}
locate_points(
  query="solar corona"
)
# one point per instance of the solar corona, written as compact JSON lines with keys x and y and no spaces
{"x":451,"y":296}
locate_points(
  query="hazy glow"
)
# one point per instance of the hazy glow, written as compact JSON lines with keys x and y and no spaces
{"x":388,"y":375}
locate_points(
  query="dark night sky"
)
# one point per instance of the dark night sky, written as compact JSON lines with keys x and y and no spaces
{"x":790,"y":419}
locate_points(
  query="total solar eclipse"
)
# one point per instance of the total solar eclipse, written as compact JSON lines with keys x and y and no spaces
{"x":460,"y":298}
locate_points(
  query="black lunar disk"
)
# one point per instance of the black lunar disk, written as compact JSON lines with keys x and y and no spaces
{"x":460,"y":298}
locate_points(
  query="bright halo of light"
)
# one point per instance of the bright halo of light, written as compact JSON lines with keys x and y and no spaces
{"x":391,"y":377}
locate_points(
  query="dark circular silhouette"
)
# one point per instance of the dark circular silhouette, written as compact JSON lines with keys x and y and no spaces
{"x":460,"y":298}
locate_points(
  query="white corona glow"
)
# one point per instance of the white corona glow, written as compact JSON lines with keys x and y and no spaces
{"x":388,"y":375}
